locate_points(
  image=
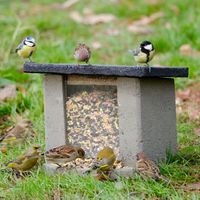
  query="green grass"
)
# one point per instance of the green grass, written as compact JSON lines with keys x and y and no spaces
{"x":57,"y":36}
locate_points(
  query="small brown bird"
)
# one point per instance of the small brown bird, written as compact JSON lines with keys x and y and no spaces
{"x":146,"y":167}
{"x":62,"y":154}
{"x":82,"y":53}
{"x":27,"y":160}
{"x":105,"y":160}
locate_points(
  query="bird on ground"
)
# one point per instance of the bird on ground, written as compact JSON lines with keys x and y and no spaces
{"x":17,"y":134}
{"x":104,"y":160}
{"x":27,"y":160}
{"x":26,"y":48}
{"x":62,"y":154}
{"x":82,"y":53}
{"x":147,"y":168}
{"x":144,"y":53}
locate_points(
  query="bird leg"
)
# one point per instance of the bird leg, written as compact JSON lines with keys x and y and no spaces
{"x":59,"y":166}
{"x":147,"y":64}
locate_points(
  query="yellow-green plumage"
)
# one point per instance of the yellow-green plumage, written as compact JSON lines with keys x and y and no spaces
{"x":26,"y":51}
{"x":26,"y":161}
{"x":105,"y":159}
{"x":141,"y":57}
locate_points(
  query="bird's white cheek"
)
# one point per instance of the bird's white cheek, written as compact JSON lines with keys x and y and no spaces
{"x":148,"y":47}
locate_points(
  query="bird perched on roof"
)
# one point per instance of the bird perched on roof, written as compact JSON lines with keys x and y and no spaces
{"x":104,"y":160}
{"x":26,"y":48}
{"x":62,"y":154}
{"x":144,"y":53}
{"x":27,"y":160}
{"x":82,"y":53}
{"x":147,"y":168}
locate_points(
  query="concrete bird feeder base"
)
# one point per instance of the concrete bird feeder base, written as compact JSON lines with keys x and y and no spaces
{"x":145,"y":106}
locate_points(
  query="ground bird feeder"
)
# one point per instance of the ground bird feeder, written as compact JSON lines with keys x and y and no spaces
{"x":127,"y":108}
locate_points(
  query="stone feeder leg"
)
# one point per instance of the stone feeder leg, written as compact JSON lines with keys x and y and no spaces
{"x":147,"y":117}
{"x":54,"y":108}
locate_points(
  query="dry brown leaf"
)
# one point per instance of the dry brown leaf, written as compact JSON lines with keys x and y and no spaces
{"x":8,"y":92}
{"x":91,"y":19}
{"x":141,"y":26}
{"x":152,"y":2}
{"x":187,"y":50}
{"x":112,"y":32}
{"x":192,"y":187}
{"x":144,"y":30}
{"x":3,"y":119}
{"x":197,"y":131}
{"x":20,"y":132}
{"x":69,"y":3}
{"x":96,"y":45}
{"x":188,"y":101}
{"x":175,"y":9}
{"x":145,"y":20}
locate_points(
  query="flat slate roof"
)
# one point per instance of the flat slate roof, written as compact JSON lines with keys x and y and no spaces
{"x":105,"y":70}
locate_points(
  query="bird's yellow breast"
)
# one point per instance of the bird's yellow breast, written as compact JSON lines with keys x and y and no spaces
{"x":142,"y":57}
{"x":26,"y":51}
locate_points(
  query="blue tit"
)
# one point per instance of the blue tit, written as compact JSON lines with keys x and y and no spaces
{"x":144,"y":53}
{"x":26,"y":48}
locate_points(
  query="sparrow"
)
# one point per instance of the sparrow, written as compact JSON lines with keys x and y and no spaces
{"x":26,"y":48}
{"x":62,"y":154}
{"x":104,"y":160}
{"x":144,"y":53}
{"x":147,"y":168}
{"x":27,"y":160}
{"x":82,"y":53}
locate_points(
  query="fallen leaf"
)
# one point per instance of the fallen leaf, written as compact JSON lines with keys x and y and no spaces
{"x":112,"y":32}
{"x":144,"y":30}
{"x":152,"y":2}
{"x":141,"y":26}
{"x":145,"y":20}
{"x":187,"y":50}
{"x":188,"y":101}
{"x":91,"y":19}
{"x":18,"y":133}
{"x":197,"y":131}
{"x":96,"y":45}
{"x":175,"y":9}
{"x":69,"y":3}
{"x":192,"y":186}
{"x":8,"y":92}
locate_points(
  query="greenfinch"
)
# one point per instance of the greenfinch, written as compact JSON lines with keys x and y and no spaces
{"x":104,"y":160}
{"x":62,"y":154}
{"x":17,"y":134}
{"x":27,"y":160}
{"x":146,"y":167}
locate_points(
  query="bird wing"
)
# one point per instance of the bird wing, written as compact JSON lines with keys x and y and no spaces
{"x":61,"y":152}
{"x":20,"y":46}
{"x":136,"y":51}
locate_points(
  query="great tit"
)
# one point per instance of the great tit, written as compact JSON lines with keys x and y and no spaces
{"x":26,"y":48}
{"x":144,"y":53}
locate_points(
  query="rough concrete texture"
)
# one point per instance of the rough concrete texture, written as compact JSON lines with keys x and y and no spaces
{"x":147,"y":117}
{"x":53,"y":169}
{"x":129,"y":99}
{"x":54,"y":108}
{"x":158,"y":117}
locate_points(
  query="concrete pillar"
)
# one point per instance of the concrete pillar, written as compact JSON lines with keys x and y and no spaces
{"x":158,"y":117}
{"x":147,"y":117}
{"x":54,"y":110}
